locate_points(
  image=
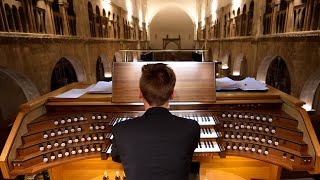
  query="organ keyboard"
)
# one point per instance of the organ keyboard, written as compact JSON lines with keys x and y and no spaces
{"x":268,"y":126}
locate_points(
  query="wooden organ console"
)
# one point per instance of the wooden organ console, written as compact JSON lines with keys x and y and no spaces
{"x":271,"y":127}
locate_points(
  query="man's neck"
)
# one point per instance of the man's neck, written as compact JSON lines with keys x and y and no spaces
{"x":147,"y":105}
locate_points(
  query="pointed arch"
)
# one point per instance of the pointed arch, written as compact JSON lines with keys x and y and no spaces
{"x":117,"y":57}
{"x":239,"y":65}
{"x":16,"y":89}
{"x":277,"y":68}
{"x":309,"y":89}
{"x":79,"y":70}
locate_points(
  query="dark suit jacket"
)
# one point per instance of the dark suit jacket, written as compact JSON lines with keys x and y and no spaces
{"x":155,"y":146}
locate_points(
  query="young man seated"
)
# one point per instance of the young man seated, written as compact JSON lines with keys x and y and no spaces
{"x":157,"y":145}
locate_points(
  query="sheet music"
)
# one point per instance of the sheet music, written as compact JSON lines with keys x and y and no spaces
{"x":226,"y":83}
{"x":247,"y":84}
{"x":74,"y":93}
{"x":250,"y":84}
{"x":102,"y":87}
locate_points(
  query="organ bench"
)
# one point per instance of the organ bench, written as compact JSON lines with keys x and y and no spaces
{"x":271,"y":126}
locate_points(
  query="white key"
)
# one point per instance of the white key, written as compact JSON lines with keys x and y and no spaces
{"x":109,"y":150}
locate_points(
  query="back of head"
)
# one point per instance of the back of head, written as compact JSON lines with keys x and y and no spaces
{"x":157,"y":83}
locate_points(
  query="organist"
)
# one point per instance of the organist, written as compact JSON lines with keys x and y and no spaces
{"x":157,"y":145}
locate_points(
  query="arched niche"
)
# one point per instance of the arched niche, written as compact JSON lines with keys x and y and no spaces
{"x":239,"y":66}
{"x":135,"y":56}
{"x":310,"y":92}
{"x":224,"y":69}
{"x":103,"y":69}
{"x":171,"y":45}
{"x":16,"y":89}
{"x":65,"y":71}
{"x":273,"y":71}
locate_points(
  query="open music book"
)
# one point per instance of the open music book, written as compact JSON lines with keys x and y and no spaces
{"x":247,"y":84}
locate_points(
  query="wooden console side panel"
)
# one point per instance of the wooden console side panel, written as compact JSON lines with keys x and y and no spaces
{"x":14,"y":140}
{"x":309,"y":135}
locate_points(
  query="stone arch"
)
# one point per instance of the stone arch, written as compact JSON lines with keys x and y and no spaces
{"x":78,"y":68}
{"x":309,"y":90}
{"x":172,"y":4}
{"x":239,"y":65}
{"x":171,"y":45}
{"x":99,"y":70}
{"x":117,"y":57}
{"x":16,"y":89}
{"x":264,"y":68}
{"x":226,"y":61}
{"x":107,"y":66}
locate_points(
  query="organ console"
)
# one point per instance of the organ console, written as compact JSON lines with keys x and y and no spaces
{"x":268,"y":126}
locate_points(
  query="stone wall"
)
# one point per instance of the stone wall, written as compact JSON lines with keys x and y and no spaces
{"x":36,"y":56}
{"x":300,"y":51}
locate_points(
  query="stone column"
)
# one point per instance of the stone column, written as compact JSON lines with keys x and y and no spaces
{"x":42,"y":25}
{"x":82,"y":18}
{"x":49,"y":17}
{"x":290,"y":18}
{"x":32,"y":17}
{"x":308,"y":16}
{"x":20,"y":23}
{"x":25,"y":18}
{"x":4,"y":21}
{"x":29,"y":11}
{"x":312,"y":15}
{"x":65,"y":20}
{"x":121,"y":15}
{"x":2,"y":27}
{"x":274,"y":17}
{"x":258,"y":15}
{"x":13,"y":21}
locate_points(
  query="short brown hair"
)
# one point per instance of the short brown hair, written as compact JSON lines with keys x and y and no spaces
{"x":157,"y":82}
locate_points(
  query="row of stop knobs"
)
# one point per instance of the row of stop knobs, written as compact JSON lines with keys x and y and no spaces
{"x":247,"y":116}
{"x":73,"y":129}
{"x":253,"y":148}
{"x":74,"y":151}
{"x":251,"y":137}
{"x":70,"y":119}
{"x":248,"y":126}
